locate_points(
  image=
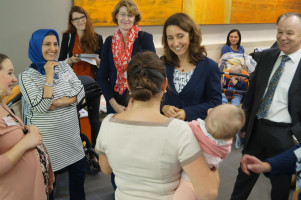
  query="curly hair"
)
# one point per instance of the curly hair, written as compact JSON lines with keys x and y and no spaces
{"x":196,"y":51}
{"x":89,"y":41}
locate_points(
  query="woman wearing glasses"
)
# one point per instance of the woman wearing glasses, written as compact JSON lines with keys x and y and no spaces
{"x":81,"y":38}
{"x":118,"y":49}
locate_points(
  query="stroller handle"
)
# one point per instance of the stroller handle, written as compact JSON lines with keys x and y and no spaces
{"x":235,"y":74}
{"x":231,"y":91}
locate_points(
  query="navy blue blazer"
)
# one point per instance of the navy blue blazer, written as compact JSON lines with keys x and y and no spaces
{"x":203,"y":90}
{"x":107,"y":74}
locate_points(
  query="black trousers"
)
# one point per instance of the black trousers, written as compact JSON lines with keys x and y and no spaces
{"x":267,"y":140}
{"x":77,"y":176}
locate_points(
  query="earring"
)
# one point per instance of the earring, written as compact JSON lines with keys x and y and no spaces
{"x":165,"y":91}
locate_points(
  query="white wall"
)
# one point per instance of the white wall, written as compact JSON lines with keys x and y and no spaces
{"x":19,"y":18}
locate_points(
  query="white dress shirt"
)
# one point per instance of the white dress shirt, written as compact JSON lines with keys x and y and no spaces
{"x":278,"y":111}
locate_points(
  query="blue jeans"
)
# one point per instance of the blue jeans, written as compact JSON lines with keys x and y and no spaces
{"x":76,"y":173}
{"x":235,"y":101}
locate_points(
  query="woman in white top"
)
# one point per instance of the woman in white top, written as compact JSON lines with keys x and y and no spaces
{"x":146,"y":150}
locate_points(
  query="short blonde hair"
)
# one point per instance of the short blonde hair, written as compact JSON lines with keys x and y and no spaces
{"x":131,"y":7}
{"x":224,"y":121}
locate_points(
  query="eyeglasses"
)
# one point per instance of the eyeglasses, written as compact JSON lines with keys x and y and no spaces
{"x":76,"y":20}
{"x":123,"y":15}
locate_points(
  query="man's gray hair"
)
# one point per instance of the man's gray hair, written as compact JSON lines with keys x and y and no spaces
{"x":289,"y":14}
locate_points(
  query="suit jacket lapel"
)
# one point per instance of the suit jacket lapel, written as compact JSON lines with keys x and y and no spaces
{"x":295,"y":82}
{"x":136,"y":43}
{"x":266,"y":71}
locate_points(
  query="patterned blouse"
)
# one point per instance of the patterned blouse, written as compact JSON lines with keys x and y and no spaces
{"x":181,"y":79}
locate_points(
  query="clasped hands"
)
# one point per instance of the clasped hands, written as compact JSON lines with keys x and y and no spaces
{"x":174,"y":112}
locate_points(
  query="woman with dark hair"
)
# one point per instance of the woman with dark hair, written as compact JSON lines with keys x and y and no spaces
{"x":194,"y":79}
{"x":233,"y":43}
{"x":52,"y":91}
{"x":25,"y":168}
{"x":81,"y":38}
{"x":136,"y":144}
{"x":118,"y":49}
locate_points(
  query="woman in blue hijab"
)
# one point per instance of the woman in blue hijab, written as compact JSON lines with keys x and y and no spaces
{"x":52,"y":91}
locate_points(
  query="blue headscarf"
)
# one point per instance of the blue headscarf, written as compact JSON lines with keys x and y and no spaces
{"x":35,"y":48}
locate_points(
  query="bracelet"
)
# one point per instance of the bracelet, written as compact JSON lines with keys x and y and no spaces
{"x":48,"y":84}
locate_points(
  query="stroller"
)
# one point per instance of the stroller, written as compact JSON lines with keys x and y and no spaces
{"x":236,"y":92}
{"x":248,"y":65}
{"x":92,"y":90}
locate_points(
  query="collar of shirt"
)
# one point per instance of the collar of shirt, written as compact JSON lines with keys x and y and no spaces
{"x":295,"y":57}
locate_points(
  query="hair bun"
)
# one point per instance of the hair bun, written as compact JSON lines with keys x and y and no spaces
{"x":145,"y":76}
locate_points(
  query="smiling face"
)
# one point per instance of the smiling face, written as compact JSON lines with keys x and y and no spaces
{"x":50,"y":47}
{"x":289,"y":35}
{"x":234,"y":38}
{"x":79,"y":21}
{"x":125,"y":20}
{"x":7,"y":77}
{"x":178,"y":40}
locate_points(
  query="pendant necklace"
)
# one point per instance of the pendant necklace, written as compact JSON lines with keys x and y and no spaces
{"x":181,"y":69}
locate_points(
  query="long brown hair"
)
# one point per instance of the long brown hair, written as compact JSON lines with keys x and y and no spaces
{"x":196,"y":51}
{"x":89,"y":41}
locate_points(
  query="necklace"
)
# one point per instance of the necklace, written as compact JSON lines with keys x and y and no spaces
{"x":181,"y":69}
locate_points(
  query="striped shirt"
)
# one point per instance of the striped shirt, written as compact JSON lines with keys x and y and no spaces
{"x":60,"y":127}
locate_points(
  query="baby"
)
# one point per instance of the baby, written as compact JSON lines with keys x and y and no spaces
{"x":233,"y":82}
{"x":215,"y":138}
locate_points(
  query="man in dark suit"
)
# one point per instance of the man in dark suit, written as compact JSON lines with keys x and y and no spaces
{"x":273,"y":106}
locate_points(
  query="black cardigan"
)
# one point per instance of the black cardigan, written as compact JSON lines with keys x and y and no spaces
{"x":67,"y":47}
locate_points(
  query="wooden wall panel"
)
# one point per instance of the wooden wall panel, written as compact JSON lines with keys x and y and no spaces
{"x":263,"y":11}
{"x":155,"y":12}
{"x":208,"y":11}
